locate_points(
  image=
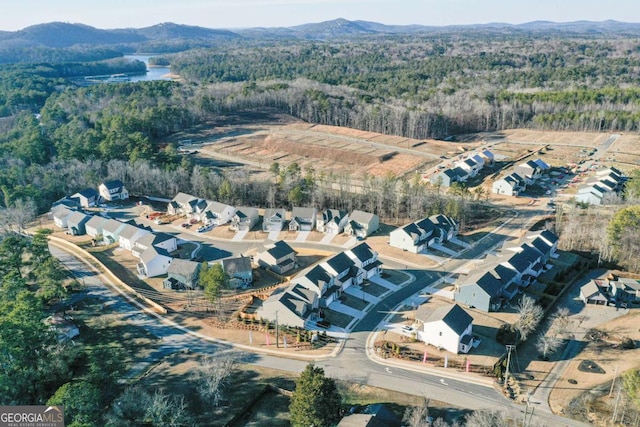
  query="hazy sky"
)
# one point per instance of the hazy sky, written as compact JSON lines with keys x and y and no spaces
{"x":17,"y":14}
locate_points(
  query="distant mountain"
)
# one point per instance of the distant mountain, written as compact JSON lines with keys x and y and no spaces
{"x":61,"y":35}
{"x":174,"y":37}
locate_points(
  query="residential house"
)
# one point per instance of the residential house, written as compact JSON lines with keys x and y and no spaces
{"x":624,"y":289}
{"x":444,"y":178}
{"x":238,"y":271}
{"x":482,"y":290}
{"x":129,"y":234}
{"x":489,"y":157}
{"x":87,"y":197}
{"x":365,"y":259}
{"x":511,"y":185}
{"x":278,"y":257}
{"x":302,"y":219}
{"x":156,"y":239}
{"x":182,"y":204}
{"x":332,"y":221}
{"x":530,"y":171}
{"x":550,"y":238}
{"x":61,"y":215}
{"x":293,"y":306}
{"x":342,"y":269}
{"x":542,"y":164}
{"x":76,"y":223}
{"x":113,"y":190}
{"x":111,"y":230}
{"x":94,"y":226}
{"x":470,"y":166}
{"x":591,"y":194}
{"x":594,"y":292}
{"x":182,"y":274}
{"x":217,"y":213}
{"x":154,"y":262}
{"x":69,"y":202}
{"x":412,"y":238}
{"x":446,"y":228}
{"x":244,"y":219}
{"x":322,"y":283}
{"x":462,"y":175}
{"x":273,"y":220}
{"x":447,"y":327}
{"x":362,"y":224}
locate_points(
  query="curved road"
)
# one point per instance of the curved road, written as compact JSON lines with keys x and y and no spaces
{"x":353,"y":362}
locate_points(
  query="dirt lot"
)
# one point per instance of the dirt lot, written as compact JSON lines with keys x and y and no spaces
{"x":606,"y":353}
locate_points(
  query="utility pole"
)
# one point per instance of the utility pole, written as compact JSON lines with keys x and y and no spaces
{"x":613,"y":383}
{"x":277,"y":337}
{"x":510,"y":348}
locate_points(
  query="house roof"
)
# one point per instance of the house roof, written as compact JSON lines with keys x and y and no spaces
{"x":217,"y":207}
{"x":112,"y":225}
{"x":233,"y":266}
{"x":97,"y":221}
{"x":275,"y":212}
{"x":334,"y":215}
{"x":61,"y":211}
{"x":361,"y":216}
{"x":363,"y":252}
{"x":530,"y":253}
{"x":460,"y":173}
{"x":504,"y":274}
{"x":591,"y":289}
{"x":183,"y":198}
{"x":293,"y":301}
{"x":453,"y":316}
{"x":307,"y":295}
{"x":280,"y":249}
{"x":303,"y":213}
{"x":541,"y":164}
{"x":114,"y":184}
{"x":519,"y":262}
{"x":69,"y":202}
{"x":154,"y":239}
{"x":87,"y":193}
{"x":549,"y":236}
{"x":471,"y":162}
{"x":77,"y":217}
{"x":151,"y":253}
{"x":488,"y":154}
{"x":340,"y":262}
{"x":246,"y":212}
{"x":130,"y":230}
{"x":183,"y":267}
{"x":541,"y":245}
{"x":318,"y":275}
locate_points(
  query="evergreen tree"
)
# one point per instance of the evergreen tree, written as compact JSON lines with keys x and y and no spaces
{"x":316,"y":400}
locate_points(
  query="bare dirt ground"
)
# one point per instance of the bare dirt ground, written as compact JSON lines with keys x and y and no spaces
{"x":625,"y":152}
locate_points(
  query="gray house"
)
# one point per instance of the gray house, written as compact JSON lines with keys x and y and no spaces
{"x":279,"y":257}
{"x":94,"y":226}
{"x":482,"y":291}
{"x":362,"y":224}
{"x":273,"y":220}
{"x":292,"y":306}
{"x":76,"y":223}
{"x":244,"y":219}
{"x":111,"y":231}
{"x":302,"y":219}
{"x":182,"y":274}
{"x":239,"y":271}
{"x":87,"y":197}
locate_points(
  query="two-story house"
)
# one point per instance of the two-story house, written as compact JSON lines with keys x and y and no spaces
{"x":113,"y":190}
{"x":447,"y":327}
{"x":362,"y":224}
{"x":278,"y":257}
{"x":244,"y":219}
{"x":302,"y":219}
{"x":273,"y":220}
{"x":332,"y":221}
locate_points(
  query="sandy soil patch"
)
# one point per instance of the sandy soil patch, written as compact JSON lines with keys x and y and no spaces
{"x":605,"y":355}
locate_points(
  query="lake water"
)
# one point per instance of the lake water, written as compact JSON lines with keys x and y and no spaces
{"x":153,"y":73}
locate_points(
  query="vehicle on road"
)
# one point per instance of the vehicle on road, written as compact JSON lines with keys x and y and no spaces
{"x":204,"y":228}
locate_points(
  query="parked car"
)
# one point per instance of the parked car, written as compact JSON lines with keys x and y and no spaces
{"x":204,"y":228}
{"x":408,"y":329}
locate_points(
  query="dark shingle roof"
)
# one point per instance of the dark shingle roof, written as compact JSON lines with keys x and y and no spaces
{"x":453,"y":316}
{"x":280,"y":249}
{"x":111,"y":185}
{"x":340,"y":262}
{"x":551,"y":237}
{"x":88,"y":193}
{"x":318,"y":275}
{"x":232,"y":266}
{"x":519,"y":262}
{"x":363,"y":252}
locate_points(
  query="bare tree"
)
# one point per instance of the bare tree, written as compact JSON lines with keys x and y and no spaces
{"x":214,"y":373}
{"x":417,"y":416}
{"x":561,"y":321}
{"x":486,"y":419}
{"x":530,"y":316}
{"x":548,"y":344}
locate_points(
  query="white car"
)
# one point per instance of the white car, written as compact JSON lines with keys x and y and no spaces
{"x":408,"y":329}
{"x":204,"y":228}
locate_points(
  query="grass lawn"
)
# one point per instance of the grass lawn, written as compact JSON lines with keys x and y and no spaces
{"x":396,"y":277}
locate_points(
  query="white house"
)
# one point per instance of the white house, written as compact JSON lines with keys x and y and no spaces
{"x":217,"y":213}
{"x":163,"y":241}
{"x":129,"y":234}
{"x":273,"y":220}
{"x":302,"y":219}
{"x":95,"y":224}
{"x":362,"y":224}
{"x":154,"y":262}
{"x":87,"y":197}
{"x":530,"y":171}
{"x":293,"y":306}
{"x":510,"y":185}
{"x":332,"y":221}
{"x":113,"y":190}
{"x":111,"y":231}
{"x":414,"y":237}
{"x":182,"y":204}
{"x":244,"y":219}
{"x":448,"y":327}
{"x":61,"y":215}
{"x":470,"y":166}
{"x":366,"y":259}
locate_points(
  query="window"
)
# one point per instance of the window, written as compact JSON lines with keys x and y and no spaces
{"x":440,"y":333}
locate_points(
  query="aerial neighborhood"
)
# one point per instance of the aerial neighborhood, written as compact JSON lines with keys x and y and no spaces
{"x":340,"y":223}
